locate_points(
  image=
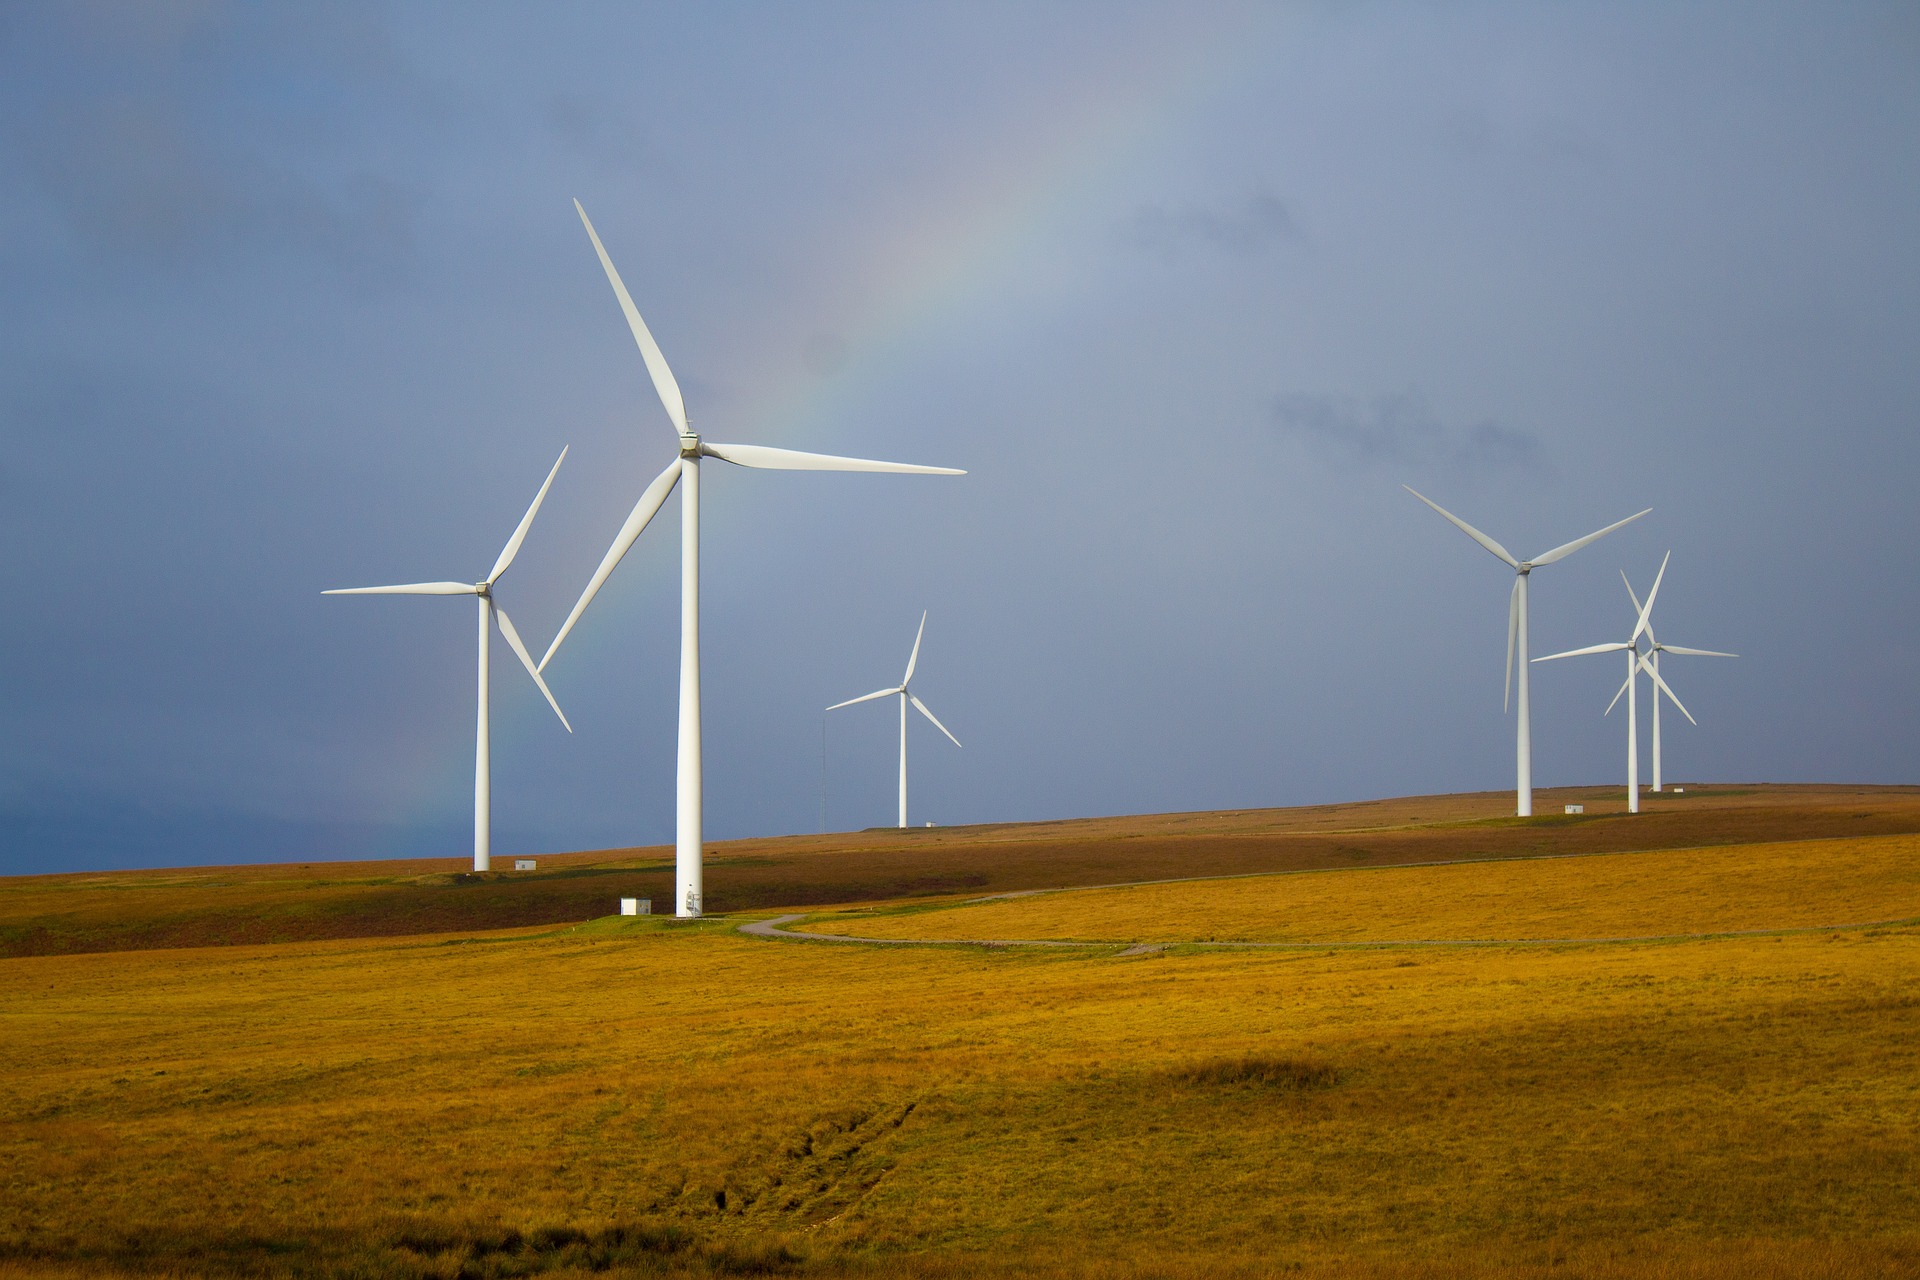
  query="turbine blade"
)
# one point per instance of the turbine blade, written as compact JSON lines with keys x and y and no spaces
{"x":526,"y":660}
{"x":1655,"y":677}
{"x":1561,"y":552}
{"x":865,"y":697}
{"x":649,"y":349}
{"x":1695,"y":653}
{"x":512,"y":549}
{"x":643,"y":511}
{"x":921,"y":707}
{"x":915,"y":655}
{"x":1617,"y":696}
{"x":1633,"y":596}
{"x":1513,"y":626}
{"x":760,"y":456}
{"x":1615,"y":647}
{"x":409,"y":589}
{"x":1631,"y":593}
{"x":1646,"y":610}
{"x":1466,"y":528}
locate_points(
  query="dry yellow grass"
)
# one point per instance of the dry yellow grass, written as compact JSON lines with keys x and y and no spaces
{"x":651,"y":1097}
{"x":278,"y":903}
{"x":1806,"y":884}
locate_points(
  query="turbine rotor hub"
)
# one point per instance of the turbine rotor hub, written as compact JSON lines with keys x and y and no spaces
{"x":484,"y":590}
{"x":690,"y":445}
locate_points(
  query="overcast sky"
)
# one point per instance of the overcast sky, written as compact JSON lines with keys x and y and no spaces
{"x":295,"y":297}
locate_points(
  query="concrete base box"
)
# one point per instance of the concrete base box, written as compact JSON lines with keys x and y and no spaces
{"x":636,"y":906}
{"x":1576,"y":808}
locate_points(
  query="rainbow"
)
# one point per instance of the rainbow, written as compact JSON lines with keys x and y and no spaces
{"x":936,"y":273}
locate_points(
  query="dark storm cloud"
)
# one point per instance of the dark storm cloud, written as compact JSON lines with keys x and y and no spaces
{"x":1402,"y":431}
{"x":154,"y":161}
{"x":1238,"y":227}
{"x":132,"y":178}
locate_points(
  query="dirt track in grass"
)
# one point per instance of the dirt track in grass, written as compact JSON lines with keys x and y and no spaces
{"x":1720,"y":890}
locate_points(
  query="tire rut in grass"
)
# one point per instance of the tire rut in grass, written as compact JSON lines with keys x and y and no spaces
{"x":818,"y":1174}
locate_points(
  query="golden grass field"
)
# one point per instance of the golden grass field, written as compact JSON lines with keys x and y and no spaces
{"x":646,"y":1097}
{"x":291,"y":902}
{"x":1729,"y":888}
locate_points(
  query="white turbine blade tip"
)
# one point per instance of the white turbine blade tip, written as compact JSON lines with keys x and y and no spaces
{"x":1615,"y":647}
{"x":865,"y":697}
{"x":657,"y":368}
{"x":1566,"y":549}
{"x":1513,"y":625}
{"x":512,"y":549}
{"x":643,"y":512}
{"x":1646,"y":610}
{"x":922,"y":708}
{"x":1666,"y":689}
{"x":914,"y":657}
{"x":1479,"y":537}
{"x":526,"y":660}
{"x":771,"y":459}
{"x":408,"y":589}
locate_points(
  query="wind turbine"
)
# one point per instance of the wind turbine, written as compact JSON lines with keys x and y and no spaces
{"x":489,"y":612}
{"x":685,"y":468}
{"x":1636,"y":661}
{"x":1654,"y":650}
{"x":1517,"y":631}
{"x":905,"y":696}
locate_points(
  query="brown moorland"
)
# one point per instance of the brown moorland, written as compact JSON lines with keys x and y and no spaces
{"x":107,"y":911}
{"x":641,"y":1097}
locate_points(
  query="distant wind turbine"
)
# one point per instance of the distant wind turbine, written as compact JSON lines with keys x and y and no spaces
{"x":1654,"y":651}
{"x":1517,"y":634}
{"x":687,"y":879}
{"x":489,"y":612}
{"x":905,"y":696}
{"x":1636,"y":661}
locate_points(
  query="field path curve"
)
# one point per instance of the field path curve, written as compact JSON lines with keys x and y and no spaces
{"x":1755,"y":890}
{"x":774,"y":928}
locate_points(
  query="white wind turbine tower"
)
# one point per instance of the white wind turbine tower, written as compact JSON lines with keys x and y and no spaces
{"x":1517,"y":633}
{"x":1654,"y":650}
{"x":489,"y":613}
{"x":685,"y":469}
{"x":1636,"y":661}
{"x":905,"y":696}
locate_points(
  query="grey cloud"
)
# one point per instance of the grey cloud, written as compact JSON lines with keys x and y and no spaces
{"x":593,"y":125}
{"x":149,"y":157}
{"x":133,"y":177}
{"x":1244,"y":227}
{"x":1402,"y":429}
